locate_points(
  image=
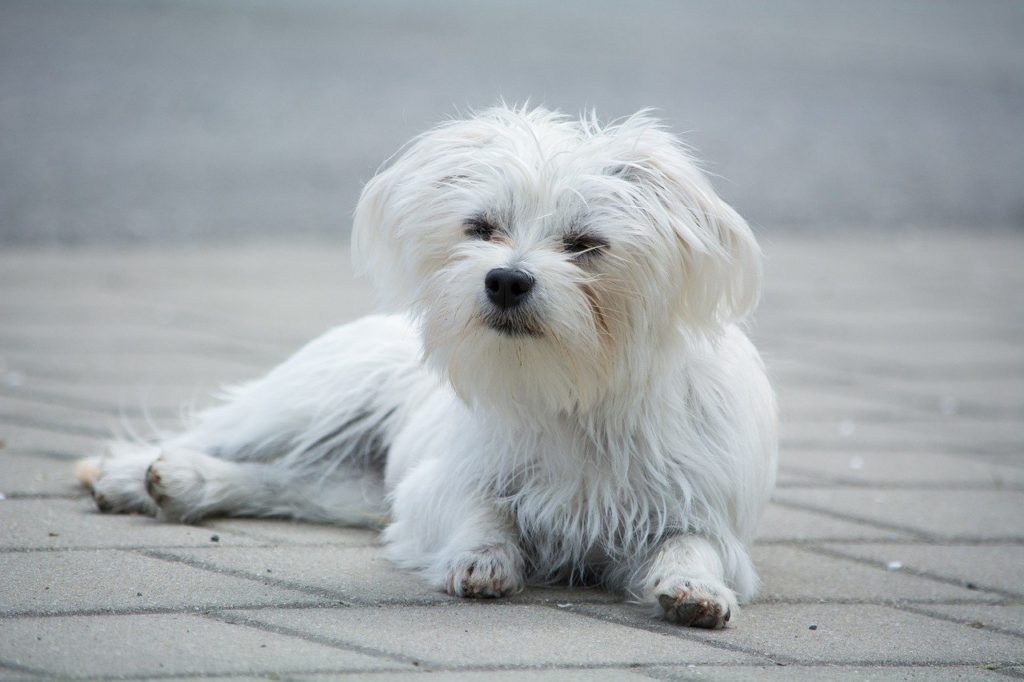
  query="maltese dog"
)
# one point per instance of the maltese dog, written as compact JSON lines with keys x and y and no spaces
{"x":560,"y":393}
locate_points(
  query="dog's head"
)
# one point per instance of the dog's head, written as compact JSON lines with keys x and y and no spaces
{"x":548,"y":259}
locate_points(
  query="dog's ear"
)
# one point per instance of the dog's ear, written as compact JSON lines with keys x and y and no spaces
{"x":404,"y":211}
{"x":719,"y":259}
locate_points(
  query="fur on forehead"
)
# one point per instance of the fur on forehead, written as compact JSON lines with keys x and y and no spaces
{"x":536,"y":166}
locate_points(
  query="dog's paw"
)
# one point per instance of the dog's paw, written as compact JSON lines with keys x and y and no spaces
{"x":177,"y":483}
{"x":697,"y":603}
{"x":115,"y":480}
{"x":489,"y":571}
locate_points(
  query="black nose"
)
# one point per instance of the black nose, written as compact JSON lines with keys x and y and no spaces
{"x":506,"y":287}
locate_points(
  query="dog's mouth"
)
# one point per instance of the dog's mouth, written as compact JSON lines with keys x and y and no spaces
{"x":511,"y":327}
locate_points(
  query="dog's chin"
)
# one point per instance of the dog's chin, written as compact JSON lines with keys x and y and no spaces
{"x":513,"y":328}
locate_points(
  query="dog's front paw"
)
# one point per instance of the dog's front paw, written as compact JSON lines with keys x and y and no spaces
{"x":698,"y":603}
{"x":488,"y":571}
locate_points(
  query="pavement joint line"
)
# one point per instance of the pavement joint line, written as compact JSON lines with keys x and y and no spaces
{"x":937,"y":542}
{"x":333,"y":642}
{"x":249,"y":674}
{"x":650,"y":624}
{"x":889,"y":393}
{"x":912,"y":444}
{"x":141,"y":549}
{"x":1011,"y":673}
{"x":895,"y":601}
{"x":51,"y":398}
{"x":241,"y":356}
{"x":340,"y":598}
{"x":194,"y":610}
{"x":21,"y":668}
{"x":14,"y":495}
{"x":803,"y":506}
{"x":51,"y":427}
{"x":842,"y":482}
{"x":57,"y":455}
{"x":839,"y":554}
{"x":916,"y":608}
{"x":1015,"y":460}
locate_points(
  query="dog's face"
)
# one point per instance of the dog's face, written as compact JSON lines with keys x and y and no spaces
{"x":548,"y":260}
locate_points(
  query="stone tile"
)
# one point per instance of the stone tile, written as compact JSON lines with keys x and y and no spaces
{"x":56,"y":523}
{"x":59,"y":582}
{"x":863,"y":634}
{"x":1009,"y":617}
{"x":994,"y":566}
{"x":787,"y":524}
{"x":36,"y":475}
{"x":295,"y":532}
{"x":798,"y":673}
{"x":466,"y":633}
{"x":889,"y":468}
{"x":165,"y":644}
{"x":796,"y":574}
{"x":994,"y":514}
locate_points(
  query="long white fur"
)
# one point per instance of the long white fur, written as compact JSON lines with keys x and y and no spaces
{"x":632,"y":440}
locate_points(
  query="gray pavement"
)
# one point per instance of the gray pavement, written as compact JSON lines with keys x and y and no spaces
{"x":893,"y":548}
{"x":175,"y":120}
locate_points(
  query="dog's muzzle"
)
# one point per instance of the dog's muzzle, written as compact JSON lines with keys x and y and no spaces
{"x":508,"y":290}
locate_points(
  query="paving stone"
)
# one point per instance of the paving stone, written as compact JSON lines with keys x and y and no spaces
{"x":796,"y":574}
{"x":787,"y":524}
{"x":282,"y":531}
{"x":472,"y":633}
{"x":58,"y":523}
{"x":896,"y":468}
{"x":863,"y":634}
{"x":798,"y":673}
{"x":1009,"y":617}
{"x":994,"y":566}
{"x":59,"y":582}
{"x":36,"y":475}
{"x":165,"y":644}
{"x":994,"y":514}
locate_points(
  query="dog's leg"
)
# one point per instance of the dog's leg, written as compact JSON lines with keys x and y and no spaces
{"x":188,"y":485}
{"x":459,"y":541}
{"x":685,"y":582}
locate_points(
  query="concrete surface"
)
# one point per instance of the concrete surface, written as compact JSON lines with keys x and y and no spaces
{"x":893,"y":548}
{"x":172,"y":120}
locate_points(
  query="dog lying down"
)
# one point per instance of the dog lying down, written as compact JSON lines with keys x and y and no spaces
{"x":561,"y":392}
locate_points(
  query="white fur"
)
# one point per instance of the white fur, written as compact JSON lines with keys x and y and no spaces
{"x":629,"y":437}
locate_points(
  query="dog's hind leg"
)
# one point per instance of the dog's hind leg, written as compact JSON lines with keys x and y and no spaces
{"x":188,"y":485}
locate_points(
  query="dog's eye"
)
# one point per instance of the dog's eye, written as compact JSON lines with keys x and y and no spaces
{"x":479,"y":227}
{"x":584,"y":245}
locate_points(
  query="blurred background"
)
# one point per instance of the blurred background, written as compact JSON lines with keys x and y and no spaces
{"x":167,"y":121}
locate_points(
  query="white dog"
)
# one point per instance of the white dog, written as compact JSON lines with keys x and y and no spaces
{"x":564,"y":395}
